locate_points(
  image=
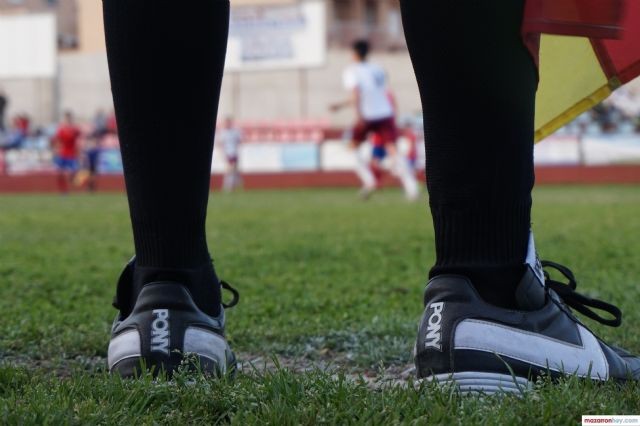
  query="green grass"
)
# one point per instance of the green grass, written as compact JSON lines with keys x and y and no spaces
{"x":331,"y":289}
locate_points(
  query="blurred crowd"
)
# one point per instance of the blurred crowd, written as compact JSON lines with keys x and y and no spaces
{"x":619,"y":114}
{"x":71,"y":148}
{"x":21,"y":133}
{"x":75,"y":147}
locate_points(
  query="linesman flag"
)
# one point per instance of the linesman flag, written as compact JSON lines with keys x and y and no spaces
{"x":580,"y":71}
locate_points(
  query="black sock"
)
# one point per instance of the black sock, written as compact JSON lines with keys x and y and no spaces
{"x":477,"y":83}
{"x":166,"y":62}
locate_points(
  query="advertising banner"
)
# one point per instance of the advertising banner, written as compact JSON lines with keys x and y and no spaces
{"x":28,"y":46}
{"x":277,"y":36}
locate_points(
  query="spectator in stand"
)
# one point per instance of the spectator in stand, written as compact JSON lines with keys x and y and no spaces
{"x":3,"y":107}
{"x":112,"y":125}
{"x":65,"y":144}
{"x":605,"y":115}
{"x":231,"y":138}
{"x":17,"y":134}
{"x":22,"y":123}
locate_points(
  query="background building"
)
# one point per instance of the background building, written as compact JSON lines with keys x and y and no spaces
{"x":66,"y":16}
{"x":377,"y":20}
{"x":82,"y":84}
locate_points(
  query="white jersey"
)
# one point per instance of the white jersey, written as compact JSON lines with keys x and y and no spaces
{"x":371,"y":82}
{"x":230,"y":139}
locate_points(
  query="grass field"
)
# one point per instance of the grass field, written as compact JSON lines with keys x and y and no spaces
{"x":331,"y":295}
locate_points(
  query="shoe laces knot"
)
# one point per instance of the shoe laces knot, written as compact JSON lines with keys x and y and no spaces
{"x":236,"y":295}
{"x":581,"y":303}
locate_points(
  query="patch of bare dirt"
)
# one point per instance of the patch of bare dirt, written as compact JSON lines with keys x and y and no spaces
{"x":248,"y":363}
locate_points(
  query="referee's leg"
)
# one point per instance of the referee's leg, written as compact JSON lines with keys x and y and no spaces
{"x":166,"y":65}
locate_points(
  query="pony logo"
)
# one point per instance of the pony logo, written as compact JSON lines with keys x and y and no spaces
{"x":160,"y":334}
{"x":433,"y":338}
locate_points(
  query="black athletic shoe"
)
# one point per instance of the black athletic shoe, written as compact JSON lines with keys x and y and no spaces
{"x":165,"y":329}
{"x":478,"y":347}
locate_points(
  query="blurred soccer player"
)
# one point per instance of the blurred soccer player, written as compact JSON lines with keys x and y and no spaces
{"x":231,"y":137}
{"x":373,"y":107}
{"x":491,"y":321}
{"x":92,"y":155}
{"x":65,"y":144}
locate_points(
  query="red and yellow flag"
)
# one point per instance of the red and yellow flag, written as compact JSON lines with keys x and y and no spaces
{"x":588,"y":48}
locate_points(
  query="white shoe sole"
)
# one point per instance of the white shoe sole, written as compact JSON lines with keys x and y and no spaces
{"x":475,"y":382}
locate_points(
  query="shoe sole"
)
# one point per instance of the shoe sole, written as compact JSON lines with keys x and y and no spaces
{"x":476,"y":382}
{"x":203,"y":350}
{"x":136,"y":366}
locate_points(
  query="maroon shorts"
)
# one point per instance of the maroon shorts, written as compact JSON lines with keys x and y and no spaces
{"x":232,"y":160}
{"x":384,"y":129}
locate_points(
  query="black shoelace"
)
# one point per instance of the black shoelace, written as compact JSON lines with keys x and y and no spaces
{"x":236,"y":296}
{"x":579,"y":302}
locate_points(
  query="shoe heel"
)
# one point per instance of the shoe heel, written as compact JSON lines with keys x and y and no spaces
{"x":167,"y":331}
{"x":476,"y":382}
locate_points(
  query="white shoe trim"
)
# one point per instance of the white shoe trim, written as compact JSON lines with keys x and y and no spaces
{"x":207,"y":344}
{"x":586,"y":360}
{"x":125,"y":345}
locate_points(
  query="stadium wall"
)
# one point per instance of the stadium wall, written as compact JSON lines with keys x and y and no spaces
{"x":547,"y":175}
{"x":83,"y":86}
{"x":310,"y":154}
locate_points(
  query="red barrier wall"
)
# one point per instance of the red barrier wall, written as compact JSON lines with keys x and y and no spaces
{"x":627,"y":174}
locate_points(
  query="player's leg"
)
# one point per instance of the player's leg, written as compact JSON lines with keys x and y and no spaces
{"x":363,"y":171}
{"x":62,"y":177}
{"x":72,"y":174}
{"x":60,"y":181}
{"x":92,"y":159}
{"x":378,"y":154}
{"x":166,"y":65}
{"x":227,"y":179}
{"x":477,"y":82}
{"x":362,"y":168}
{"x":399,"y":163}
{"x":231,"y":175}
{"x":478,"y":96}
{"x":380,"y":141}
{"x":407,"y":177}
{"x":237,"y":178}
